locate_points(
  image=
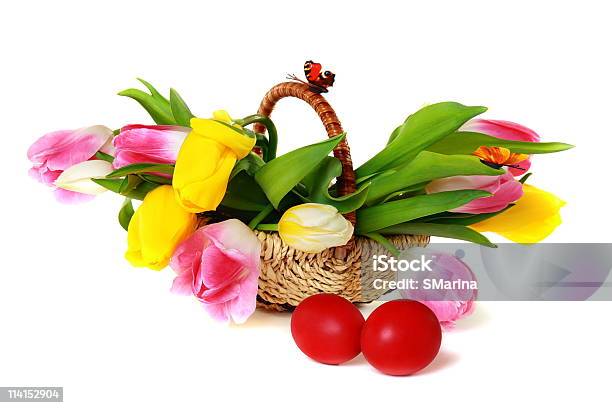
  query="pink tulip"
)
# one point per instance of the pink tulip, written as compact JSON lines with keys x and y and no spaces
{"x":449,"y":311}
{"x":449,"y":305}
{"x":148,"y":144}
{"x":219,"y":265}
{"x":505,"y":190}
{"x":503,"y":129}
{"x":57,"y":151}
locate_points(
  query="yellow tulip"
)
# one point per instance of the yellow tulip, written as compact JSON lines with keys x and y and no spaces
{"x":206,"y":159}
{"x":314,"y":227}
{"x":156,"y":228}
{"x":534,"y":217}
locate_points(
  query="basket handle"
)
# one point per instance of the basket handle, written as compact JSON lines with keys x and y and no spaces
{"x":346,"y":182}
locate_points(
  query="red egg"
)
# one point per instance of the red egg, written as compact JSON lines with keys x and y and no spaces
{"x":401,"y":337}
{"x":327,"y":328}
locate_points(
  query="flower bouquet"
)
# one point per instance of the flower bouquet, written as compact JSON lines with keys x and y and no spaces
{"x":241,"y":225}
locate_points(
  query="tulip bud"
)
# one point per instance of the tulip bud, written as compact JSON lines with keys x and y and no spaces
{"x":505,"y":190}
{"x":205,"y":161}
{"x":148,"y":144}
{"x":314,"y":227}
{"x":77,"y":178}
{"x":58,"y":151}
{"x":534,"y":217}
{"x":156,"y":228}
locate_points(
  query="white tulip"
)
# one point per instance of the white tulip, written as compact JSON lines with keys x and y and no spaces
{"x":78,"y":177}
{"x":314,"y":227}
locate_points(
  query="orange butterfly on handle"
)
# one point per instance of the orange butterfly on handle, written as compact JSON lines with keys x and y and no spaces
{"x":497,"y":157}
{"x":318,"y":79}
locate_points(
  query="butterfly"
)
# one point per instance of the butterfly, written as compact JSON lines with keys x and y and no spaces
{"x":497,"y":157}
{"x":318,"y":79}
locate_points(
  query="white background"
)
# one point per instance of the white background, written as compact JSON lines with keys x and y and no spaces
{"x":73,"y":313}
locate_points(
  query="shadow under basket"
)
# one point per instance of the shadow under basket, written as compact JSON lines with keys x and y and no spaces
{"x":287,"y":275}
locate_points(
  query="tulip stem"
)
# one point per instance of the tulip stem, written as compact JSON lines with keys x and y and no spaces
{"x":272,"y":134}
{"x":260,"y":217}
{"x":267,"y":227}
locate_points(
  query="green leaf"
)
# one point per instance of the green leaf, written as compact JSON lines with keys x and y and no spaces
{"x":370,"y":176}
{"x":290,"y":200}
{"x":412,"y":189}
{"x":138,"y":168}
{"x":154,"y":103}
{"x":125,"y":213}
{"x":279,"y":176}
{"x":156,"y":179}
{"x":137,"y":193}
{"x":523,"y":179}
{"x":419,"y":131}
{"x":426,"y":166}
{"x":113,"y":185}
{"x":140,"y":192}
{"x":394,"y":134}
{"x":439,"y":230}
{"x":441,"y":217}
{"x":468,"y":142}
{"x":466,"y":219}
{"x":318,"y":181}
{"x":222,"y":213}
{"x":243,"y":193}
{"x":180,"y":110}
{"x":105,"y":157}
{"x":250,"y":164}
{"x":161,"y":113}
{"x":384,"y":242}
{"x":129,"y":183}
{"x":395,"y":212}
{"x":154,"y":93}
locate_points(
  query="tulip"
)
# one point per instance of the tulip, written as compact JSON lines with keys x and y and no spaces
{"x":503,"y":129}
{"x":148,"y":144}
{"x":505,"y":190}
{"x":206,"y":159}
{"x":219,"y":265}
{"x":156,"y":228}
{"x":314,"y":227}
{"x":57,"y":151}
{"x":449,"y":305}
{"x":534,"y":217}
{"x":78,"y":177}
{"x":449,"y":311}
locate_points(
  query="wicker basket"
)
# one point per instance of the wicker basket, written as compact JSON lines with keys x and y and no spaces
{"x":288,"y":275}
